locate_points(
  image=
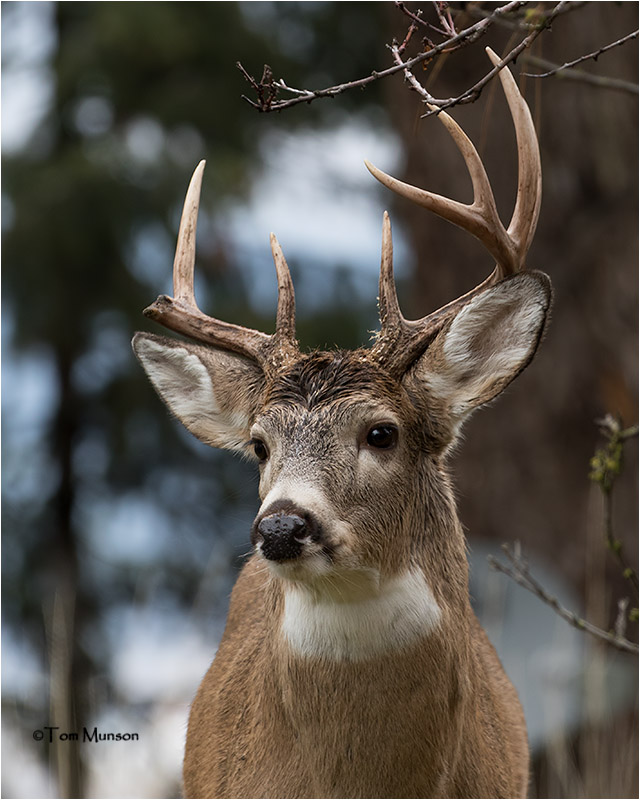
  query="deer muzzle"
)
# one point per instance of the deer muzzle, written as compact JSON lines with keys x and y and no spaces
{"x":281,"y":534}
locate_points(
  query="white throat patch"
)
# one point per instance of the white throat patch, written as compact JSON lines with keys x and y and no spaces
{"x":400,"y":612}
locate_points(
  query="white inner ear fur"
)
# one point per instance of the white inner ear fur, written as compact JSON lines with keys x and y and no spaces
{"x":184,"y":383}
{"x":488,"y":343}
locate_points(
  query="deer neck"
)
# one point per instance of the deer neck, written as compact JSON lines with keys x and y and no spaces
{"x":355,"y":615}
{"x":359,"y":663}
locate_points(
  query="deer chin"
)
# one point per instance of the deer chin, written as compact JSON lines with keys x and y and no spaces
{"x":320,"y":565}
{"x":311,"y":565}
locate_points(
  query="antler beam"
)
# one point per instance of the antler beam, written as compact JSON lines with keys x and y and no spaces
{"x":181,"y":314}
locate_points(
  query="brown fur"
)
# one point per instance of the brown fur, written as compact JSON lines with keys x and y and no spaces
{"x":441,"y":720}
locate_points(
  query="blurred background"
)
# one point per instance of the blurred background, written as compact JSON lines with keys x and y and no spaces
{"x":122,"y":536}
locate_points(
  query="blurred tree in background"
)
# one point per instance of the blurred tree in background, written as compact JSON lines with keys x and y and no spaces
{"x":106,"y":504}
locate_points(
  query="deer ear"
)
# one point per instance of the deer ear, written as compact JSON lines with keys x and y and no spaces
{"x":215,"y":394}
{"x":488,"y":343}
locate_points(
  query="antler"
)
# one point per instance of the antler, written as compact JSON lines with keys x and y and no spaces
{"x":181,"y":314}
{"x":400,"y":341}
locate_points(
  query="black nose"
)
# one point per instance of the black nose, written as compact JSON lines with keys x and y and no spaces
{"x":281,"y":535}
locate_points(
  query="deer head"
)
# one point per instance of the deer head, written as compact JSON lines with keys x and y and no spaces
{"x":351,"y":445}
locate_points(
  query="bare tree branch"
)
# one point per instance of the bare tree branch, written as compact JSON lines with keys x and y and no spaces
{"x":601,"y":81}
{"x":589,"y":56}
{"x":537,"y":21}
{"x":519,"y":572}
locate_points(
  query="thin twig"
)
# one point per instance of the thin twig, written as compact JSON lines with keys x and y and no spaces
{"x":519,"y":572}
{"x":303,"y":92}
{"x":588,"y":57}
{"x":412,"y":29}
{"x":417,"y":17}
{"x":601,"y":81}
{"x":249,"y":78}
{"x":444,"y":15}
{"x":615,"y":545}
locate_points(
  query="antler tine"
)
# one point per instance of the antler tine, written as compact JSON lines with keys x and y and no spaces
{"x":286,"y":313}
{"x":182,"y":315}
{"x":185,"y":257}
{"x":390,"y":314}
{"x":395,"y":331}
{"x":393,"y":326}
{"x":527,"y":209}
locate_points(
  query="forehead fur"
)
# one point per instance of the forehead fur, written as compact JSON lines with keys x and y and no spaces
{"x":322,"y":378}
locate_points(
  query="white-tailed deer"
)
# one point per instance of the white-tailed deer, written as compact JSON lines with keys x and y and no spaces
{"x":352,"y":664}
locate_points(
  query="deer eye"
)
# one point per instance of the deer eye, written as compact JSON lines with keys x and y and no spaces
{"x":260,"y":449}
{"x":382,"y":437}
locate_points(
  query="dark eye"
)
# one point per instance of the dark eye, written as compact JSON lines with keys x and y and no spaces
{"x":260,"y":449}
{"x":382,"y":436}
